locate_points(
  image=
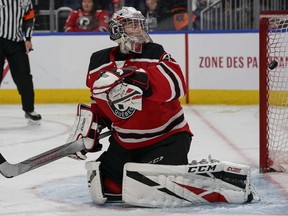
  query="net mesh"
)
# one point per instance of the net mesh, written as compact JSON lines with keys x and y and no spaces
{"x":277,"y":93}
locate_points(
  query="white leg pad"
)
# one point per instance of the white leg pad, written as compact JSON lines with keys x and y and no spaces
{"x":152,"y":185}
{"x":94,"y":182}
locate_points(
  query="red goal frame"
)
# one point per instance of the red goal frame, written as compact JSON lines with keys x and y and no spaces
{"x":264,"y":161}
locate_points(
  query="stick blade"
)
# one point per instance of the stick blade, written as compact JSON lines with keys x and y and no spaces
{"x":2,"y":159}
{"x":3,"y":167}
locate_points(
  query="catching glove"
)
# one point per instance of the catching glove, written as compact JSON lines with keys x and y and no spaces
{"x":140,"y":79}
{"x":130,"y":75}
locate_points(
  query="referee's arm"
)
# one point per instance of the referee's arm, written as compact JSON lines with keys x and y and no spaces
{"x":28,"y":23}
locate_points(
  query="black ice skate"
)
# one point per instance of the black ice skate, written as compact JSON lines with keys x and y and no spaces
{"x":33,"y":117}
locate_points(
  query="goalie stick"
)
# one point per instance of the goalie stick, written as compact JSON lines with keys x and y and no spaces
{"x":11,"y":170}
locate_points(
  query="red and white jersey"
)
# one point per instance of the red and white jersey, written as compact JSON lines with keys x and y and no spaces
{"x":161,"y":114}
{"x":73,"y":23}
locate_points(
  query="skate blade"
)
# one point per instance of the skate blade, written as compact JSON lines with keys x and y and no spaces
{"x":33,"y":123}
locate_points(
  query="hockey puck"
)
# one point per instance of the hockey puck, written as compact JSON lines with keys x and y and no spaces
{"x":273,"y":64}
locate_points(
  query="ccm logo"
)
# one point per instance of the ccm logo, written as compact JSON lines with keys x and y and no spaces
{"x":204,"y":168}
{"x":234,"y":169}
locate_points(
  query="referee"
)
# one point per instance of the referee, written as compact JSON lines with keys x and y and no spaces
{"x":16,"y":26}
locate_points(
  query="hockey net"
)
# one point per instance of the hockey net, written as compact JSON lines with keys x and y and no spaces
{"x":273,"y":35}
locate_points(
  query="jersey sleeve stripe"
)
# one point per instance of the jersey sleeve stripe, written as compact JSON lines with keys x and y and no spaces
{"x":177,"y":83}
{"x":170,"y":81}
{"x":99,"y":68}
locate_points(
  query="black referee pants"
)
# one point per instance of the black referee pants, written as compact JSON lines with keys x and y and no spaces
{"x":15,"y":53}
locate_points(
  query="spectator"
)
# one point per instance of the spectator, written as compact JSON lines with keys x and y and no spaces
{"x":180,"y":15}
{"x":87,"y":18}
{"x":15,"y":44}
{"x":176,"y":14}
{"x":152,"y":13}
{"x":158,"y":15}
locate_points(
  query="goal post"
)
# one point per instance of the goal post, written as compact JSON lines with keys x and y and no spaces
{"x":273,"y":89}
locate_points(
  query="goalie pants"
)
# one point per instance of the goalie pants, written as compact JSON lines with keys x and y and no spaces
{"x":15,"y":53}
{"x":171,"y":151}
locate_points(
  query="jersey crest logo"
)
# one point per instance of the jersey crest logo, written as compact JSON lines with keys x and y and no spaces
{"x":121,"y":111}
{"x":124,"y":99}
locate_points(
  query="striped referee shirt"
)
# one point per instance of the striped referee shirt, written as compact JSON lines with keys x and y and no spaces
{"x":16,"y":19}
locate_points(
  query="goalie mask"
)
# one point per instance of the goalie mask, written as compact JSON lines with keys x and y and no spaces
{"x":128,"y":28}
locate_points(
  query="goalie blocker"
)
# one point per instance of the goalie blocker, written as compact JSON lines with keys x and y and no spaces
{"x":85,"y":127}
{"x":153,"y":185}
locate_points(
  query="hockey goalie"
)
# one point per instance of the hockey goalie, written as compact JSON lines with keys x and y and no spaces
{"x":135,"y":90}
{"x":154,"y":183}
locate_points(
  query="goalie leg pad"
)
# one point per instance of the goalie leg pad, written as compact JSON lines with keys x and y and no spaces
{"x":98,"y":188}
{"x":94,"y":182}
{"x":152,"y":185}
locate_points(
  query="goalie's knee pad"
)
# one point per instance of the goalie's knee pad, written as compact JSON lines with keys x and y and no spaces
{"x":94,"y":182}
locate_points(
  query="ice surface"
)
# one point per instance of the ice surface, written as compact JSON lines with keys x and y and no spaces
{"x":228,"y":133}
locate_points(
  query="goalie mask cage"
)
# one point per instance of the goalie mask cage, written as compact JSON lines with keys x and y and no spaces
{"x":273,"y":87}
